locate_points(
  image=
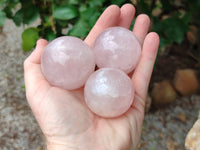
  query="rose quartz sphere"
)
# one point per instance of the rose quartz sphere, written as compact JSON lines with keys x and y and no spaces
{"x":117,"y":47}
{"x":109,"y":92}
{"x":67,"y":62}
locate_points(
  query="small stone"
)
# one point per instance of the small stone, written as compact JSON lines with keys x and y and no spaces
{"x":67,"y":62}
{"x":39,"y":148}
{"x":161,"y":135}
{"x":186,"y":82}
{"x":109,"y":92}
{"x":182,"y":117}
{"x":117,"y":47}
{"x":192,"y":141}
{"x":171,"y":145}
{"x":163,"y":93}
{"x":142,"y":144}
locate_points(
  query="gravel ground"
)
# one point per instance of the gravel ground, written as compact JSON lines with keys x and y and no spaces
{"x":18,"y":128}
{"x":166,"y":129}
{"x":163,"y":129}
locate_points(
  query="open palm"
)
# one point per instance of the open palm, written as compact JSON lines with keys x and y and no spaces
{"x":64,"y":118}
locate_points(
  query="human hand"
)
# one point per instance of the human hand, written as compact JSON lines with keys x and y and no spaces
{"x":63,"y":116}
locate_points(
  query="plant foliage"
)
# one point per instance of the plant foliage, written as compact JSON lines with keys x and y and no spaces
{"x":170,"y":18}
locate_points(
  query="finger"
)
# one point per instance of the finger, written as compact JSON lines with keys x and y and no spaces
{"x":126,"y":16}
{"x":109,"y":18}
{"x":141,"y":27}
{"x":35,"y":56}
{"x":32,"y":69}
{"x":143,"y":71}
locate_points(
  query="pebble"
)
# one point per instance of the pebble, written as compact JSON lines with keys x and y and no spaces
{"x":163,"y":93}
{"x":186,"y":82}
{"x":192,"y":141}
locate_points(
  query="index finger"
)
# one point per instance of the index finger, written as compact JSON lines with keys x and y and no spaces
{"x":109,"y":18}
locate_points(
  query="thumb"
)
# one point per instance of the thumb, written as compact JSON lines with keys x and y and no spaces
{"x":35,"y":56}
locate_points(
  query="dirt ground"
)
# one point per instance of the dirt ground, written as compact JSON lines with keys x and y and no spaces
{"x":163,"y":129}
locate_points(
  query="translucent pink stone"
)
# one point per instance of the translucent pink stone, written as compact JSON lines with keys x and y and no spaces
{"x":117,"y":47}
{"x":109,"y":92}
{"x":67,"y":62}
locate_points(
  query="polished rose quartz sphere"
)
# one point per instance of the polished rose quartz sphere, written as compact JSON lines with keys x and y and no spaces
{"x":109,"y":92}
{"x":117,"y":47}
{"x":67,"y":62}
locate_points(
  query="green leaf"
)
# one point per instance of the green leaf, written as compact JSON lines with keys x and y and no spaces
{"x":13,"y":1}
{"x":94,"y":3}
{"x":90,"y":16}
{"x":165,"y":41}
{"x":186,"y":18}
{"x":80,"y":29}
{"x":145,"y":7}
{"x":27,"y":14}
{"x":8,"y":12}
{"x":166,"y":4}
{"x":29,"y":38}
{"x":82,"y":8}
{"x":132,"y":24}
{"x":65,"y":12}
{"x":73,"y":1}
{"x":2,"y":18}
{"x":118,"y":2}
{"x":31,"y":13}
{"x":172,"y":29}
{"x":175,"y":28}
{"x":49,"y":34}
{"x":47,"y":21}
{"x":62,"y":23}
{"x":18,"y":17}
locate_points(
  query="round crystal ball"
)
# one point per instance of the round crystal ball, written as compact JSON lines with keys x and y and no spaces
{"x":117,"y":47}
{"x":67,"y":62}
{"x":109,"y":92}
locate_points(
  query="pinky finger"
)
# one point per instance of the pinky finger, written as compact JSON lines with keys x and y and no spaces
{"x":143,"y":71}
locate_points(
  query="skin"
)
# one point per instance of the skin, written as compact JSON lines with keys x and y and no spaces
{"x":65,"y":120}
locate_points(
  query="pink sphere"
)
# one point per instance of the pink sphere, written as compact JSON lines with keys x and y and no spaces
{"x":109,"y":92}
{"x":117,"y":47}
{"x":67,"y":62}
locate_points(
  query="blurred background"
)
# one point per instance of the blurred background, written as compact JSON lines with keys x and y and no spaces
{"x":173,"y":100}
